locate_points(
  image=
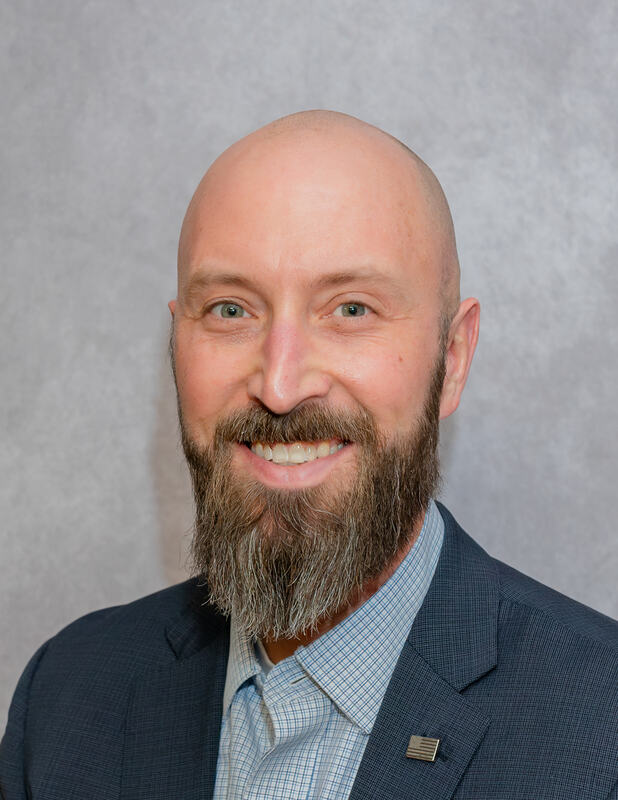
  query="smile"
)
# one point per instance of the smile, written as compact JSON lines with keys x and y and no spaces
{"x":296,"y":452}
{"x":293,"y":465}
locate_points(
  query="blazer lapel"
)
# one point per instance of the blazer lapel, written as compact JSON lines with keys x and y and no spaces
{"x":174,"y":719}
{"x":452,"y":643}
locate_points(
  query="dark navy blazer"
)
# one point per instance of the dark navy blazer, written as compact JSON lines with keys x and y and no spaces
{"x":519,"y":683}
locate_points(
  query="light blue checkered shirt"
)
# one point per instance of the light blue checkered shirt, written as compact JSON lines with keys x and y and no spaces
{"x":298,"y":730}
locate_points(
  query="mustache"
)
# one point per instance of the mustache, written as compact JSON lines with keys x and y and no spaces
{"x":311,"y":422}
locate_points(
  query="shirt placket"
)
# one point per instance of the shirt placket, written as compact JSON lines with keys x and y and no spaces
{"x":297,"y":712}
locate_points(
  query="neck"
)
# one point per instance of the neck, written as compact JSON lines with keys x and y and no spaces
{"x":278,"y":649}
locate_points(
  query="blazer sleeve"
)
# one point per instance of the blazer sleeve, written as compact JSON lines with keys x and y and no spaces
{"x":14,"y":744}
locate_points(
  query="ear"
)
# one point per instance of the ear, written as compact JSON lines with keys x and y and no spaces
{"x":172,"y":307}
{"x":462,"y":338}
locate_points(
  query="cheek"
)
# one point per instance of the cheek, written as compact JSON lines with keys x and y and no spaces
{"x":207,"y":379}
{"x":392,"y":386}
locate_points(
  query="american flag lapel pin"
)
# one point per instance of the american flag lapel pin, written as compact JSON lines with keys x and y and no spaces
{"x":422,"y":748}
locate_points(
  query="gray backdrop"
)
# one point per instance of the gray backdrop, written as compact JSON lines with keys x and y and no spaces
{"x":111,"y":111}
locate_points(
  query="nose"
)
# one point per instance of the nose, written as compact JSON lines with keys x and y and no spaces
{"x":290,"y":369}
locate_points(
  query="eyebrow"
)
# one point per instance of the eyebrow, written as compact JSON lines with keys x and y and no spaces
{"x":204,"y":280}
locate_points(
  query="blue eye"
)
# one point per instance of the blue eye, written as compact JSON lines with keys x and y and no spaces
{"x":228,"y":310}
{"x":353,"y":309}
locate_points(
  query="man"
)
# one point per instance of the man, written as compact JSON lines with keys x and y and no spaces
{"x":344,"y":638}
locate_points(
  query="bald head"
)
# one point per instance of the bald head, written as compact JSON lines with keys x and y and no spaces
{"x":295,"y":149}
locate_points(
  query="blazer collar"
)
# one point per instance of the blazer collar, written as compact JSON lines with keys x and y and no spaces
{"x":456,"y":630}
{"x":452,"y":642}
{"x":197,"y":625}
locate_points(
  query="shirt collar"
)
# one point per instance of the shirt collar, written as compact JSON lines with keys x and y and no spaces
{"x":241,"y":664}
{"x":353,"y":662}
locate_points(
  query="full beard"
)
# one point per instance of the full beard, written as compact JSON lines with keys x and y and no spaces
{"x":282,"y":561}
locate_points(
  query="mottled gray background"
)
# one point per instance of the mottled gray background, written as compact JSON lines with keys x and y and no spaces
{"x":110,"y":112}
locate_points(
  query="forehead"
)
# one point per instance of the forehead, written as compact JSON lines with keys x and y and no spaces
{"x":309,"y":208}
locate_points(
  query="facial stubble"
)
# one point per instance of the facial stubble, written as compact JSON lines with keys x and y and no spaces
{"x":282,"y":561}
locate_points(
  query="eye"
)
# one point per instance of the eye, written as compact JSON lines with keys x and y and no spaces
{"x":227,"y":310}
{"x":351,"y":310}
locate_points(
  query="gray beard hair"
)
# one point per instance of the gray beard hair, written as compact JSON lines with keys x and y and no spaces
{"x":282,"y":561}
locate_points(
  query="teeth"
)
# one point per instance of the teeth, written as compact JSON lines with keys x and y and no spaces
{"x":323,"y":449}
{"x":296,"y":453}
{"x":280,"y":454}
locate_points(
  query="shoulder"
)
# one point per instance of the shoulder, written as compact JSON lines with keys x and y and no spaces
{"x":78,"y":687}
{"x":543,"y":654}
{"x":548,"y":690}
{"x":547,"y":682}
{"x":554,"y":657}
{"x":558,"y":654}
{"x":136,"y":631}
{"x":101,"y":654}
{"x":519,"y":596}
{"x":82,"y":678}
{"x":555,"y":612}
{"x":146,"y":615}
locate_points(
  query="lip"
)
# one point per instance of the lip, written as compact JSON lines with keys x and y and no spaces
{"x":297,"y":476}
